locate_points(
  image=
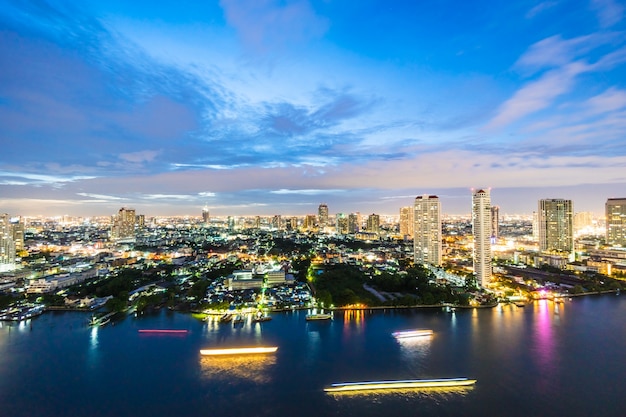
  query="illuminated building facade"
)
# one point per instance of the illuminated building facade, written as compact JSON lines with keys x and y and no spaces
{"x":123,"y":227}
{"x":373,"y":223}
{"x":481,"y":230}
{"x":206,"y":219}
{"x":7,"y":244}
{"x":616,"y":222}
{"x":322,"y":214}
{"x":406,"y":221}
{"x":556,"y":226}
{"x":427,"y":230}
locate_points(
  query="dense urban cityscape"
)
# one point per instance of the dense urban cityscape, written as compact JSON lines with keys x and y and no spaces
{"x":251,"y":265}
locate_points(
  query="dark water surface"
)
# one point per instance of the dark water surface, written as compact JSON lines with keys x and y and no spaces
{"x":540,"y":360}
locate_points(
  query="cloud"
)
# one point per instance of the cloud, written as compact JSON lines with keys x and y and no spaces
{"x":270,"y":25}
{"x":541,"y":7}
{"x":30,"y":178}
{"x":138,"y":157}
{"x":100,"y":196}
{"x":559,"y":63}
{"x":537,"y":95}
{"x":609,"y":12}
{"x":304,"y":192}
{"x":610,"y":100}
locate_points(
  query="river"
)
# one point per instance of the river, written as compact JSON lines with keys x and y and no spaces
{"x":544,"y":359}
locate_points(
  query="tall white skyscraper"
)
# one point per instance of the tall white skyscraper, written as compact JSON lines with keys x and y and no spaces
{"x":556,"y":226}
{"x":481,"y":229}
{"x":427,"y":230}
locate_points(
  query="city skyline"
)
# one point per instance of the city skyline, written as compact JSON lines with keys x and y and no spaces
{"x":264,"y":108}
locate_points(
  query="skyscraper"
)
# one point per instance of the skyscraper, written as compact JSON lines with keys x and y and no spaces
{"x":616,"y":222}
{"x":206,"y":218}
{"x":322,"y":213}
{"x":556,"y":226}
{"x":354,"y":222}
{"x":407,"y":221}
{"x":123,"y":227}
{"x":7,"y":245}
{"x":481,"y":229}
{"x":373,"y":223}
{"x":342,"y":224}
{"x":427,"y":230}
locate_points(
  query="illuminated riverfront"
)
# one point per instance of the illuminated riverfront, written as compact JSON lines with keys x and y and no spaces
{"x":400,"y":384}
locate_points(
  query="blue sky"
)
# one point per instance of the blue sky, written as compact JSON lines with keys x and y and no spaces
{"x":272,"y":107}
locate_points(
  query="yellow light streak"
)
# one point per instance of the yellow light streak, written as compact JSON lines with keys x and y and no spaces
{"x":401,"y":384}
{"x":239,"y":351}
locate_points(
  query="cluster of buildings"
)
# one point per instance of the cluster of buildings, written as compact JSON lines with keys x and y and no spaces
{"x":553,"y":226}
{"x":553,"y":229}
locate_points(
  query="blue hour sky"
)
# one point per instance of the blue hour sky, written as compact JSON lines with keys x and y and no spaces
{"x":272,"y":107}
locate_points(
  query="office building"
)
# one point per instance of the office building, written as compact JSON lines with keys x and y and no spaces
{"x":427,"y":230}
{"x":556,"y":227}
{"x":616,"y":222}
{"x":481,"y":230}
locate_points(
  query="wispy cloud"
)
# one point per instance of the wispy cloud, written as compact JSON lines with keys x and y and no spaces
{"x":270,"y":25}
{"x":100,"y":196}
{"x":304,"y":192}
{"x":541,"y":7}
{"x":609,"y":12}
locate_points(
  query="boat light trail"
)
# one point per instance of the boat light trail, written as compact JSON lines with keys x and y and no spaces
{"x":400,"y":384}
{"x":239,"y":351}
{"x":412,"y":333}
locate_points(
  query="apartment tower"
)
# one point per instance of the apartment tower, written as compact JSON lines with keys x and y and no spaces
{"x":616,"y":222}
{"x":556,"y":226}
{"x":427,"y":230}
{"x":481,"y":229}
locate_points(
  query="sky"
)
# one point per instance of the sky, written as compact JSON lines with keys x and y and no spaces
{"x":263,"y":107}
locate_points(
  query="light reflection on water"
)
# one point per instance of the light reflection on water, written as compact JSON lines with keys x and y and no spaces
{"x":438,"y":395}
{"x":249,"y":367}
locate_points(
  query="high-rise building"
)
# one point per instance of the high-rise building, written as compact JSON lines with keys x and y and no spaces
{"x":406,"y":221}
{"x":427,"y":230}
{"x":354,"y":222}
{"x":616,"y":222}
{"x":123,"y":227}
{"x":7,"y":244}
{"x":495,"y":223}
{"x":206,"y":218}
{"x":310,"y":222}
{"x":481,"y":229}
{"x":373,"y":223}
{"x":556,"y":226}
{"x":322,"y":214}
{"x":342,"y":224}
{"x":17,"y":230}
{"x":277,"y":222}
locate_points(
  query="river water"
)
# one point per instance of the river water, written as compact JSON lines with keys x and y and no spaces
{"x":544,"y":359}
